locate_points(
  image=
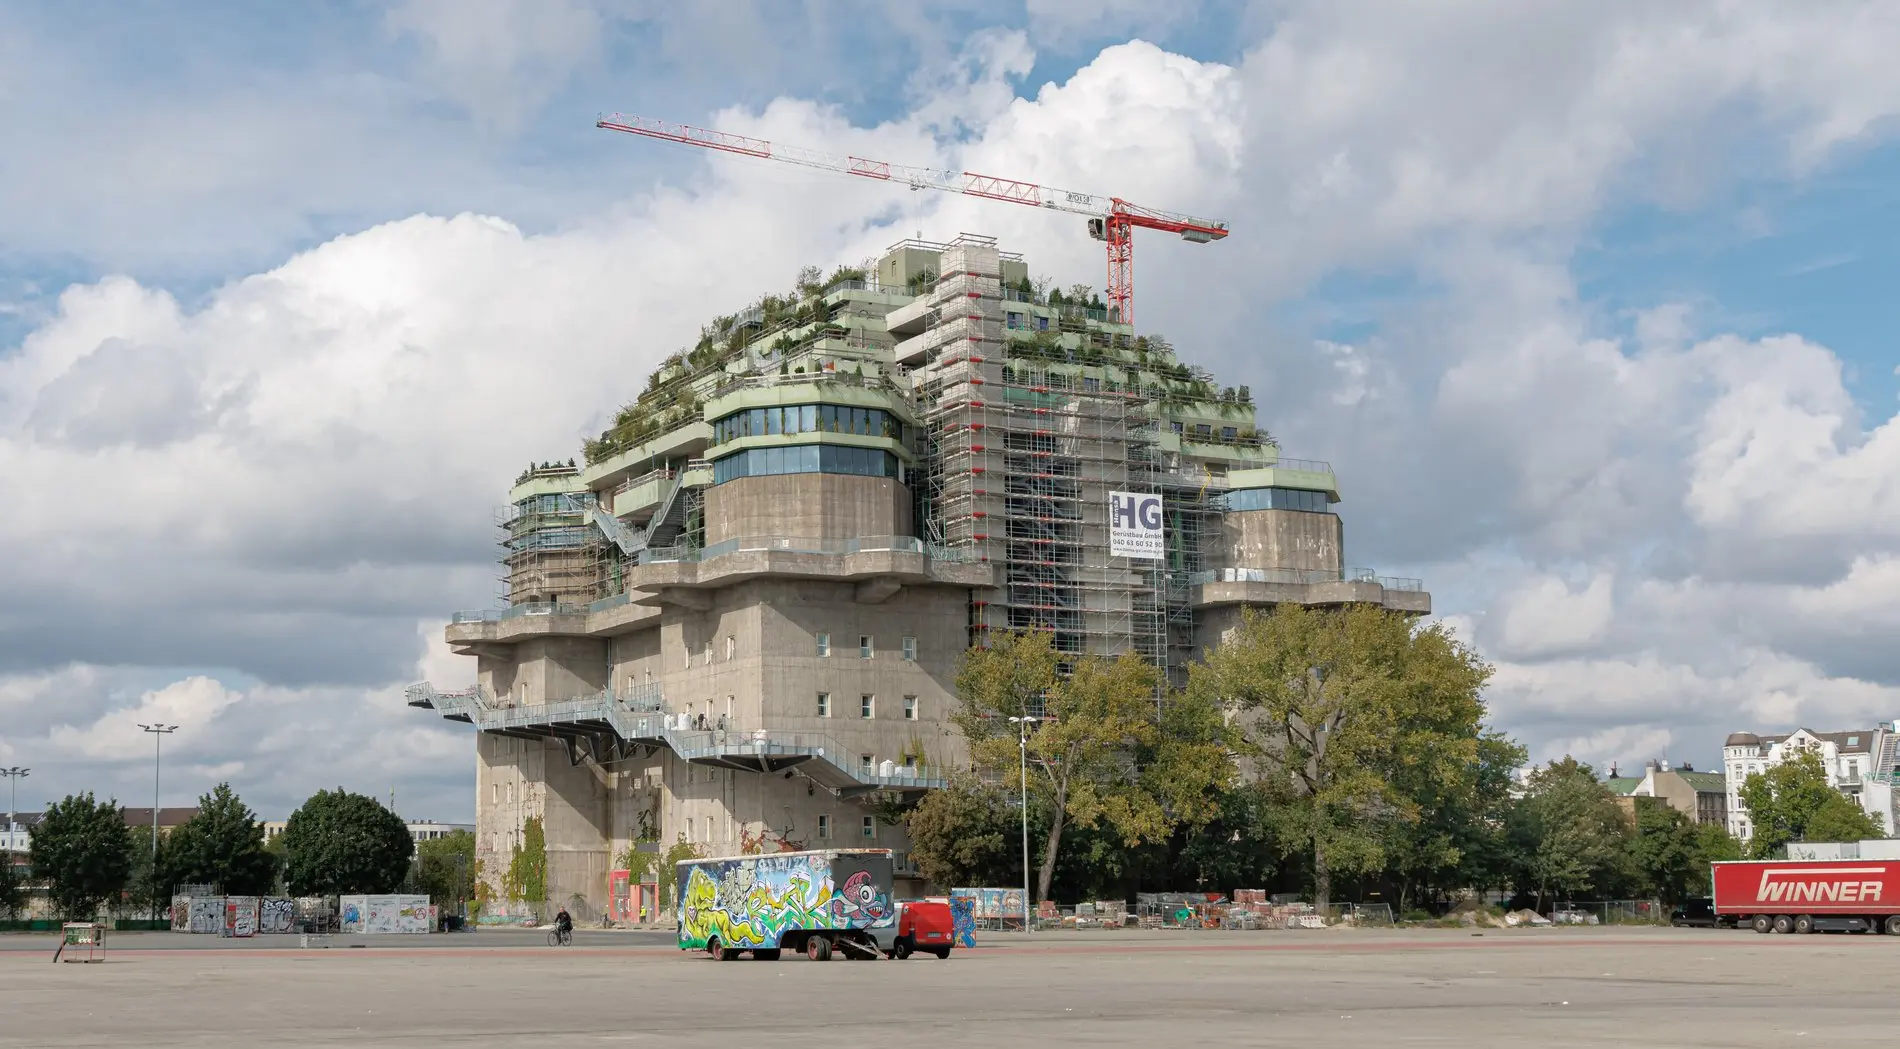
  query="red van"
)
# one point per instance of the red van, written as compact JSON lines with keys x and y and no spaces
{"x":922,"y":925}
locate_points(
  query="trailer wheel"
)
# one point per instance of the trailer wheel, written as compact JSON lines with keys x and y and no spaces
{"x":818,"y":949}
{"x":942,"y":953}
{"x":1892,"y":925}
{"x":901,"y":949}
{"x":1804,"y":924}
{"x":713,"y":948}
{"x":1784,"y":924}
{"x":1762,"y":923}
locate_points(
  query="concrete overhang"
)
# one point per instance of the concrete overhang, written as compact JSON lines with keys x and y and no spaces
{"x":1318,"y":595}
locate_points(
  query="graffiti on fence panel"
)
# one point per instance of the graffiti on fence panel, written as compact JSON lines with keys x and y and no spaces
{"x":276,"y":914}
{"x":206,"y":917}
{"x":963,"y":920}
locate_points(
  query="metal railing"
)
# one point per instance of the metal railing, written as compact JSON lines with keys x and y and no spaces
{"x":536,"y":608}
{"x":639,"y":712}
{"x":1317,"y":466}
{"x":1304,"y":576}
{"x":793,"y":545}
{"x":645,"y":478}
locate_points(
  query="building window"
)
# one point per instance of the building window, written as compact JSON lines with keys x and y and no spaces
{"x":732,"y":646}
{"x":1278,"y":499}
{"x":910,"y":708}
{"x":864,"y":646}
{"x":867,"y":764}
{"x":824,"y":704}
{"x":824,"y":826}
{"x":867,"y":706}
{"x":910,"y":649}
{"x":689,"y":829}
{"x":1229,"y":433}
{"x":824,"y":646}
{"x":870,"y":827}
{"x":809,"y":459}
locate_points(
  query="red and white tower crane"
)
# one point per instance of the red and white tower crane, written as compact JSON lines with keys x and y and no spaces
{"x":1110,"y":219}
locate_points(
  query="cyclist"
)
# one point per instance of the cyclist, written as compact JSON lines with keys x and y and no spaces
{"x":564,"y":924}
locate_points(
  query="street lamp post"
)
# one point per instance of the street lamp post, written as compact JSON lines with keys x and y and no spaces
{"x":1022,"y":750}
{"x":16,"y":774}
{"x":159,"y":732}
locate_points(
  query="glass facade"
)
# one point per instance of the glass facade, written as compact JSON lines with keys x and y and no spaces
{"x":1278,"y":499}
{"x":808,"y":418}
{"x":805,"y":459}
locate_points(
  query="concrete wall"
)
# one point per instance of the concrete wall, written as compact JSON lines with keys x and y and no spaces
{"x":807,"y":506}
{"x":751,"y":657}
{"x":1292,"y":539}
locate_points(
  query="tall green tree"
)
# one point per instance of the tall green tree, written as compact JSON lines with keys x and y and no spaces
{"x":339,"y":843}
{"x":1792,"y":801}
{"x":1570,"y":832}
{"x":12,"y":887}
{"x":1459,"y":839}
{"x":222,"y":844}
{"x":966,"y":834}
{"x":83,"y":849}
{"x":1667,"y":852}
{"x":1342,"y":713}
{"x":445,"y":868}
{"x":1084,"y":764}
{"x":154,"y":874}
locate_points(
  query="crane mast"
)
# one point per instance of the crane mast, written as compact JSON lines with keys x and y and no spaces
{"x":1111,"y":220}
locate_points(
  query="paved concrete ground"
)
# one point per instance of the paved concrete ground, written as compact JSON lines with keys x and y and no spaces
{"x":1553,"y":987}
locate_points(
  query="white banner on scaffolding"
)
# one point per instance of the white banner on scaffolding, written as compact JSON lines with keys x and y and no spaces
{"x":1134,"y":525}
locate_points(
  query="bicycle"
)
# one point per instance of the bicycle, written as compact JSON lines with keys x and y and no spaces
{"x":560,"y":937}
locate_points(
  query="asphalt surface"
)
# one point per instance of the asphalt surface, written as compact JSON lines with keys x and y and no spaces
{"x":1546,"y":987}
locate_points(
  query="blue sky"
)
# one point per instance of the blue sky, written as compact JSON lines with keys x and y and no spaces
{"x":1523,"y":278}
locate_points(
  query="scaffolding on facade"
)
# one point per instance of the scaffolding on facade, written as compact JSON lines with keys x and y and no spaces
{"x":1020,"y":464}
{"x":549,"y":551}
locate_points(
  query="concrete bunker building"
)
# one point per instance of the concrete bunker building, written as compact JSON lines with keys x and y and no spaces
{"x":738,"y":621}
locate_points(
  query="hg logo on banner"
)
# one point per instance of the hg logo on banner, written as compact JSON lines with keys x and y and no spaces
{"x":1134,"y":525}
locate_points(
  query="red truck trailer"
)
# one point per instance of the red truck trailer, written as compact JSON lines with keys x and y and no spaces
{"x":1810,"y":895}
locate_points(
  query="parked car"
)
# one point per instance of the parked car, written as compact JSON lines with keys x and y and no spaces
{"x":1699,"y":911}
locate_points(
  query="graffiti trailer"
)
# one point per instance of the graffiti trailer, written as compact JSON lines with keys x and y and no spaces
{"x":810,"y":902}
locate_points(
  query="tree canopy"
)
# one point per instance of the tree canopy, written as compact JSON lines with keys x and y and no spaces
{"x":1793,"y":801}
{"x":83,"y":849}
{"x":445,"y":867}
{"x":223,"y":845}
{"x":339,"y":842}
{"x":1347,"y":717}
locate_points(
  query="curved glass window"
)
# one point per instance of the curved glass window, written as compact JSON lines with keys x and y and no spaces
{"x":805,"y":459}
{"x":809,"y":418}
{"x":1278,"y":499}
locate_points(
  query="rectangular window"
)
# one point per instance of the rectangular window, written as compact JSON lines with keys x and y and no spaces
{"x":864,"y":646}
{"x":824,"y":646}
{"x":870,"y":827}
{"x":824,"y":826}
{"x":910,"y":708}
{"x":1229,"y":433}
{"x":867,"y":706}
{"x":732,"y":646}
{"x":689,"y":829}
{"x":824,"y":704}
{"x":910,"y":649}
{"x":867,"y":764}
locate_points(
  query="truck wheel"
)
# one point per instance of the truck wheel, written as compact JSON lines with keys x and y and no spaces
{"x":942,"y":953}
{"x":902,"y":949}
{"x":765,"y":954}
{"x":1762,"y":923}
{"x":818,"y":949}
{"x":1892,"y":925}
{"x":713,"y":949}
{"x":1784,"y":924}
{"x":1803,"y":924}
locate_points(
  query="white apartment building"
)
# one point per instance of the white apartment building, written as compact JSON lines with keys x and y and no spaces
{"x":1859,"y":762}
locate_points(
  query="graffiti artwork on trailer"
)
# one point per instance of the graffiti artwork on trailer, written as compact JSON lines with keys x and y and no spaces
{"x":752,"y":900}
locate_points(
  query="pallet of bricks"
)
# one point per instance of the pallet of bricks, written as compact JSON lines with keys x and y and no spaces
{"x":1269,"y":913}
